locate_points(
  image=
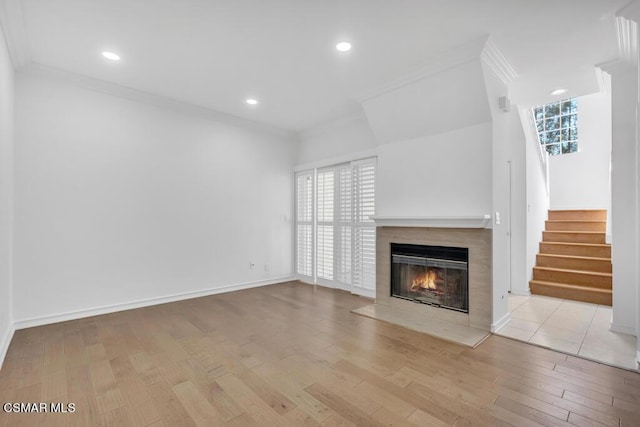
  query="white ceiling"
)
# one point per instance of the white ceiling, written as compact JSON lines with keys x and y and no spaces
{"x":217,"y":53}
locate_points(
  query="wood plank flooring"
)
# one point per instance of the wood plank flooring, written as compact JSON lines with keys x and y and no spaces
{"x":284,"y":355}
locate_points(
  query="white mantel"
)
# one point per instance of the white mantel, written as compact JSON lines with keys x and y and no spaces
{"x":480,"y":221}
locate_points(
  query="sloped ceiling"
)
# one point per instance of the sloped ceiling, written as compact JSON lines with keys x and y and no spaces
{"x":448,"y":95}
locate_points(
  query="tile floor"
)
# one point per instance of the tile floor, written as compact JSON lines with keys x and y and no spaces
{"x":571,"y":327}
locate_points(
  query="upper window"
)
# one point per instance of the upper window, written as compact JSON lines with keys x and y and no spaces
{"x":557,"y":125}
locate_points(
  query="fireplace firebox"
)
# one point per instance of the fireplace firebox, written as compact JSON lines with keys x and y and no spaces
{"x":434,"y":275}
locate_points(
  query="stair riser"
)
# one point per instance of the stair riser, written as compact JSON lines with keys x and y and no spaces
{"x":572,"y":294}
{"x":576,"y":226}
{"x":569,"y":237}
{"x":603,"y":266}
{"x":591,"y":251}
{"x":573,"y":278}
{"x":578,"y":215}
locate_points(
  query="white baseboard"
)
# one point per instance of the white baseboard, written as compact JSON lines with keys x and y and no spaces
{"x":522,"y":292}
{"x":500,"y":322}
{"x":622,"y":329}
{"x":4,"y":343}
{"x":638,"y":357}
{"x":96,"y":311}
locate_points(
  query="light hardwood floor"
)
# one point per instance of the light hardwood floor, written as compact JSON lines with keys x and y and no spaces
{"x":284,"y":355}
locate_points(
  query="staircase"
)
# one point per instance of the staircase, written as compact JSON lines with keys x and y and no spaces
{"x":574,"y":260}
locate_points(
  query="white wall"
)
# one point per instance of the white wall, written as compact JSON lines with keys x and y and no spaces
{"x":537,"y":200}
{"x":334,"y":140}
{"x":438,"y":175}
{"x":624,"y":205}
{"x":582,"y":180}
{"x":508,"y":198}
{"x":119,"y":201}
{"x":518,"y":210}
{"x":6,"y":191}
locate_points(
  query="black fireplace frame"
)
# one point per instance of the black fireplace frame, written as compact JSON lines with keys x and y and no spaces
{"x":445,"y":253}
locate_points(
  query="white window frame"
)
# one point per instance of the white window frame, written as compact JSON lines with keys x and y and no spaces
{"x":544,"y":119}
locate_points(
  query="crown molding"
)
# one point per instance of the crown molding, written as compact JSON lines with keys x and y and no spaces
{"x":615,"y":66}
{"x":445,"y":61}
{"x":627,"y":33}
{"x":604,"y":82}
{"x":113,"y":89}
{"x":630,"y":11}
{"x":482,"y":48}
{"x":14,"y":30}
{"x":497,"y":62}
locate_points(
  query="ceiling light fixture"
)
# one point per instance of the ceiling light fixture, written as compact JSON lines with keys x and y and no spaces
{"x":252,"y":101}
{"x":343,"y":46}
{"x":558,"y":91}
{"x":111,"y":56}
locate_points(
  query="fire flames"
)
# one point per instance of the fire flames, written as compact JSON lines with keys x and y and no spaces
{"x":425,"y":281}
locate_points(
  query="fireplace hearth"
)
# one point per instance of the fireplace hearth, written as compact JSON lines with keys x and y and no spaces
{"x":433,"y":275}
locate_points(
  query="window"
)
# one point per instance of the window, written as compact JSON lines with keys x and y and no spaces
{"x":557,"y":125}
{"x":335,"y":245}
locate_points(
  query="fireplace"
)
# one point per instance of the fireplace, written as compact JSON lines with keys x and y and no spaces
{"x":434,"y":275}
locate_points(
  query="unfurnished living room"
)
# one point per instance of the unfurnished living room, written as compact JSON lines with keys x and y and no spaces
{"x":298,"y":212}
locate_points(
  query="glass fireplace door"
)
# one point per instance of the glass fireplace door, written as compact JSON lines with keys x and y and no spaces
{"x":430,"y":279}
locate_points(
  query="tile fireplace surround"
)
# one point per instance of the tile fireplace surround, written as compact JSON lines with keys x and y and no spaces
{"x":438,"y":321}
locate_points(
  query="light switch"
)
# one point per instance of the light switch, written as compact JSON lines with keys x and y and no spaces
{"x":497,"y":218}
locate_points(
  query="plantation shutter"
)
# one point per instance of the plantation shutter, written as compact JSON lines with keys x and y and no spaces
{"x":304,"y":224}
{"x":337,"y":244}
{"x":325,"y":219}
{"x":364,"y":229}
{"x":344,"y":239}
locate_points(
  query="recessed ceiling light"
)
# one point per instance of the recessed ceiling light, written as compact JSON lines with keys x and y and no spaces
{"x":343,"y":46}
{"x":558,"y":91}
{"x":252,"y":101}
{"x":112,"y":56}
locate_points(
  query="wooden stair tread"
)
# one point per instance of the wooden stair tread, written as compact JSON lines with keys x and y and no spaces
{"x":573,"y":292}
{"x":574,"y":236}
{"x":574,"y":232}
{"x":568,"y":285}
{"x":592,"y":261}
{"x":574,"y":259}
{"x":578,"y":210}
{"x":585,"y":214}
{"x":565,"y":270}
{"x":600,"y":250}
{"x":599,"y":221}
{"x":588,"y":258}
{"x":579,"y":244}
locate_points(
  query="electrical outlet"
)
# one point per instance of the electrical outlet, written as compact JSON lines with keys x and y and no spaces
{"x":252,"y":265}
